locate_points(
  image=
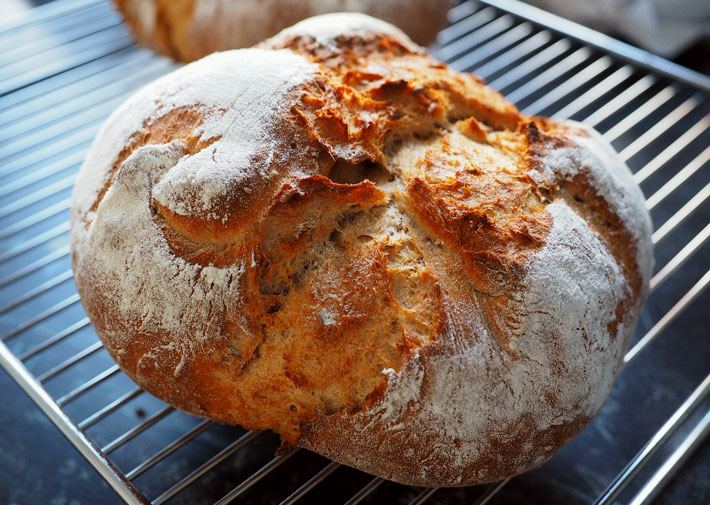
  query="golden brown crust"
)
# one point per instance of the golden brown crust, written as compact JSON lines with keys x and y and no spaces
{"x":187,"y":30}
{"x":380,"y":264}
{"x":160,"y":25}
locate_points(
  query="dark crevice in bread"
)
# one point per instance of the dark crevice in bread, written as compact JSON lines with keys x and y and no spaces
{"x":346,"y":172}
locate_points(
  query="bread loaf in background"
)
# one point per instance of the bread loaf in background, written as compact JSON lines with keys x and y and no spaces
{"x":338,"y":238}
{"x":190,"y":29}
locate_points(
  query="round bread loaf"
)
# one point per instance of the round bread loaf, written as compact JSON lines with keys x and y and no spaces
{"x":190,"y":29}
{"x":338,"y":238}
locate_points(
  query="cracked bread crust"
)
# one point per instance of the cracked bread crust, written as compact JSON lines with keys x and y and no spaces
{"x":187,"y":30}
{"x":338,"y":238}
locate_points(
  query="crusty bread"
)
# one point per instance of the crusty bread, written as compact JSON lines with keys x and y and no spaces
{"x":338,"y":238}
{"x":190,"y":29}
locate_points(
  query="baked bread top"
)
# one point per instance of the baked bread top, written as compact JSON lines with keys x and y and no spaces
{"x":187,"y":30}
{"x":337,"y":237}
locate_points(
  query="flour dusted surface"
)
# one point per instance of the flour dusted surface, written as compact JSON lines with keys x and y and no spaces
{"x":240,"y":94}
{"x":252,"y":97}
{"x":327,"y":27}
{"x":593,"y":155}
{"x":475,"y":393}
{"x":128,"y":254}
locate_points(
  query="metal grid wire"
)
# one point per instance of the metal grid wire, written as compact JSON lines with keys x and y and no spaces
{"x":64,"y":69}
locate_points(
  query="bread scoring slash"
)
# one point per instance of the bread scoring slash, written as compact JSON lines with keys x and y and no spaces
{"x":338,"y":238}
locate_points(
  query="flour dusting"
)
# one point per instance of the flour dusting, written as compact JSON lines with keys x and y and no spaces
{"x":566,"y":361}
{"x":327,"y":28}
{"x":240,"y":95}
{"x":611,"y":178}
{"x":127,"y":252}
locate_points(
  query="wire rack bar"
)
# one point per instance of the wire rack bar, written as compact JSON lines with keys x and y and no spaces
{"x":37,"y":196}
{"x":69,"y":108}
{"x":81,"y":119}
{"x":423,"y":496}
{"x":45,"y":13}
{"x":466,"y":25}
{"x":679,"y":178}
{"x":311,"y":483}
{"x":641,"y":113}
{"x":168,"y":450}
{"x":657,"y":440}
{"x":71,"y":162}
{"x":55,"y":339}
{"x":598,"y":40}
{"x":62,"y":20}
{"x":42,"y":316}
{"x":460,"y":11}
{"x":23,"y":45}
{"x":672,"y":150}
{"x":109,"y":409}
{"x":513,"y":36}
{"x":669,"y":317}
{"x":23,"y":224}
{"x":38,"y":291}
{"x":206,"y":467}
{"x":38,"y":240}
{"x":79,"y":79}
{"x":255,"y":477}
{"x":475,"y":38}
{"x":567,"y":64}
{"x":366,"y":490}
{"x":686,"y":210}
{"x":573,"y":83}
{"x":42,"y":262}
{"x":136,"y":430}
{"x":66,"y":20}
{"x":71,"y":32}
{"x":596,"y":92}
{"x":569,"y":85}
{"x":515,"y":53}
{"x":54,"y":67}
{"x":490,"y":492}
{"x":72,"y":141}
{"x":37,"y":156}
{"x":680,"y":258}
{"x":84,"y":445}
{"x":660,"y":127}
{"x":669,"y":468}
{"x":87,"y":386}
{"x":69,"y":362}
{"x":625,"y":97}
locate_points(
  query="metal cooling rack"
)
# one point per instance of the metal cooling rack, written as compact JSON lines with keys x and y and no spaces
{"x":64,"y":68}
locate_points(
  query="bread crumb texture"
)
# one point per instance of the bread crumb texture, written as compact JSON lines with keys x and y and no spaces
{"x":338,"y":238}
